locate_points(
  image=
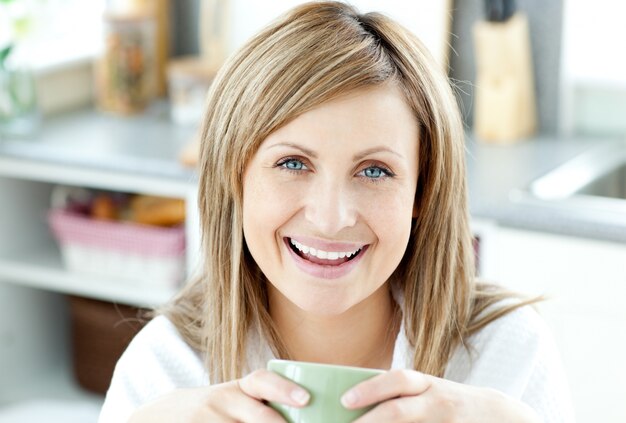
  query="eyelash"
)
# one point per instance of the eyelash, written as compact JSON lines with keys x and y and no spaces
{"x":387,"y":172}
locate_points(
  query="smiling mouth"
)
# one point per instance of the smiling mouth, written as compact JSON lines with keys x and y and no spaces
{"x":322,"y":257}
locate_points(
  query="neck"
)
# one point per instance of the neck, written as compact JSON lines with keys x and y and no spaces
{"x":363,"y":336}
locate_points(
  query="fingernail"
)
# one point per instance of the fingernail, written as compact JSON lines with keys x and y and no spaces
{"x":349,"y":399}
{"x":300,"y":396}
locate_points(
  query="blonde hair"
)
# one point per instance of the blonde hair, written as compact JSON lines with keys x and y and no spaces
{"x":314,"y":53}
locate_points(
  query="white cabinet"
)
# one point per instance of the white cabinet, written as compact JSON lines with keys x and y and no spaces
{"x":584,"y":282}
{"x":34,"y":350}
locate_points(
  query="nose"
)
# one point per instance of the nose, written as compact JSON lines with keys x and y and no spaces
{"x":330,"y":207}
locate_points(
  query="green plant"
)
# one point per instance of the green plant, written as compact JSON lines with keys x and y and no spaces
{"x":18,"y":98}
{"x":16,"y":17}
{"x":4,"y":53}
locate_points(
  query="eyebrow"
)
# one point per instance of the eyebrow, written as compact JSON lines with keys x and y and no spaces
{"x":296,"y":146}
{"x":357,"y":156}
{"x":379,"y":149}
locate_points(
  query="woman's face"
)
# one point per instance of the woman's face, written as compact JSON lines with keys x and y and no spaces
{"x":328,"y":200}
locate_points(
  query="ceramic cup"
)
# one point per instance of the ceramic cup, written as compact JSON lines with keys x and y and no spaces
{"x":326,"y":383}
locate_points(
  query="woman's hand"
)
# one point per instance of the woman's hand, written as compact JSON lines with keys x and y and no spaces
{"x":410,"y":396}
{"x":240,"y":400}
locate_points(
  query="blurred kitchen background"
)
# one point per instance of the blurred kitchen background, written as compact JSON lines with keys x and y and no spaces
{"x":100,"y":103}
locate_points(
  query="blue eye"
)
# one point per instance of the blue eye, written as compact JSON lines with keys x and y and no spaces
{"x":293,"y":165}
{"x":374,"y":172}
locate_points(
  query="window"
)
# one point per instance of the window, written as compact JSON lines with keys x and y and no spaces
{"x":51,"y":33}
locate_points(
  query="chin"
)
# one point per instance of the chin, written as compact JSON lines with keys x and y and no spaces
{"x":326,"y":305}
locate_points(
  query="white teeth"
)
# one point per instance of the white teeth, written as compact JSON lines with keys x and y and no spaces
{"x":332,"y":255}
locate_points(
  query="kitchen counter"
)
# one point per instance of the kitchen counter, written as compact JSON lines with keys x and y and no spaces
{"x":149,"y":144}
{"x":494,"y":171}
{"x":146,"y":144}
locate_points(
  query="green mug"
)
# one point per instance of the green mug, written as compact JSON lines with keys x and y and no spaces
{"x":326,"y":383}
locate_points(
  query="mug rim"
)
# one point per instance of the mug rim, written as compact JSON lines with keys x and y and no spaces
{"x":327,"y":366}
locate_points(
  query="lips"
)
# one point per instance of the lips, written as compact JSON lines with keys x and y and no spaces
{"x":323,"y":267}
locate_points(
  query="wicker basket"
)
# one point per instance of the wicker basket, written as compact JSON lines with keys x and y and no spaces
{"x":100,"y":333}
{"x":141,"y":254}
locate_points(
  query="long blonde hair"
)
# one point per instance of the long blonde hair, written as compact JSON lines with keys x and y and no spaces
{"x":315,"y":53}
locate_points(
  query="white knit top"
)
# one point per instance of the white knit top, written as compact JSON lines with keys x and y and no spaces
{"x":515,"y":354}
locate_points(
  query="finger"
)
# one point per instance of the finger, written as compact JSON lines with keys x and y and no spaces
{"x":266,"y":385}
{"x":243,"y":408}
{"x":248,"y":409}
{"x":395,"y":383}
{"x":399,"y":410}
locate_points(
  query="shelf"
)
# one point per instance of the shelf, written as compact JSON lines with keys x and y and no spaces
{"x":43,"y":268}
{"x":58,"y":384}
{"x":85,"y":149}
{"x":91,"y":175}
{"x":53,"y":397}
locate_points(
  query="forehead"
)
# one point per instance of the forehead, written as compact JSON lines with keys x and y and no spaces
{"x":361,"y":119}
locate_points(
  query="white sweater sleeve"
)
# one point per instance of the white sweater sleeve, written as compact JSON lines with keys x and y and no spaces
{"x":517,"y":355}
{"x":156,"y":362}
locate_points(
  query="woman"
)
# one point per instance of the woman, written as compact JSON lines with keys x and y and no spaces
{"x":335,"y":229}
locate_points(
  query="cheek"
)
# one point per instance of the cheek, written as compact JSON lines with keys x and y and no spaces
{"x":390,"y":219}
{"x":265,"y":208}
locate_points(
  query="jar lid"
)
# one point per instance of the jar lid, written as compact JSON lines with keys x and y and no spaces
{"x":128,"y":17}
{"x":192,"y":67}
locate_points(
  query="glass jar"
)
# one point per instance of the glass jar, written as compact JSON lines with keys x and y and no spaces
{"x":126,"y":72}
{"x":189,"y":79}
{"x":19,"y":113}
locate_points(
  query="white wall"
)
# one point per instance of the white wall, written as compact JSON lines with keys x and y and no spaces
{"x":593,"y":68}
{"x":430,"y":20}
{"x":594,"y":35}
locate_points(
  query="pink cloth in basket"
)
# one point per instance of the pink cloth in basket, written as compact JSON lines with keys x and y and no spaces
{"x":73,"y":228}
